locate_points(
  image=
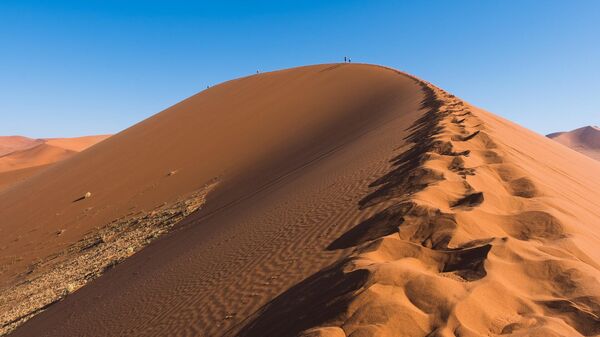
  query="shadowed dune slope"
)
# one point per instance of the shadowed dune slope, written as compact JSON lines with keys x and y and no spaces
{"x":353,"y":200}
{"x":585,"y":140}
{"x":248,"y":134}
{"x":12,"y":177}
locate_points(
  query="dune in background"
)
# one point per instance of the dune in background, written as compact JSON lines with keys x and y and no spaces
{"x":328,"y":200}
{"x":585,"y":140}
{"x":22,"y":157}
{"x":38,"y":155}
{"x":10,"y":144}
{"x":77,"y":144}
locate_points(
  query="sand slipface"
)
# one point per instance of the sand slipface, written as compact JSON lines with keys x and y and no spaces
{"x":339,"y":200}
{"x":585,"y":140}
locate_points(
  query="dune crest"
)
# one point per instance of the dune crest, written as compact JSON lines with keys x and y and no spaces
{"x":465,"y":246}
{"x":352,"y":200}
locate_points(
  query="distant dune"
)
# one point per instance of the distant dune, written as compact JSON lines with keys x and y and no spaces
{"x":23,"y":157}
{"x":10,"y":144}
{"x":585,"y":140}
{"x":41,"y":154}
{"x":76,"y":144}
{"x":329,"y":200}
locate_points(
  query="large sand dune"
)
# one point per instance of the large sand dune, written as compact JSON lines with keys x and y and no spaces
{"x":330,"y":200}
{"x":585,"y":140}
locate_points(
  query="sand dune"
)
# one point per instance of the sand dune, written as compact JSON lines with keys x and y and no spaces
{"x":25,"y":157}
{"x":330,"y":200}
{"x":41,"y":154}
{"x":10,"y":144}
{"x":76,"y":144}
{"x":585,"y":140}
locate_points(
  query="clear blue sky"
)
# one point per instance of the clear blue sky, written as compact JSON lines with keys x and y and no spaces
{"x":70,"y":68}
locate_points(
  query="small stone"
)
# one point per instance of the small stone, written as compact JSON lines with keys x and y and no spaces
{"x":71,"y":287}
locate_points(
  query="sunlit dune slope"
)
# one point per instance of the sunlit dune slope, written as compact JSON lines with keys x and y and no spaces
{"x":345,"y":200}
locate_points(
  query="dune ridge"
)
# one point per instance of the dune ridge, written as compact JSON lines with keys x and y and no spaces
{"x":433,"y":264}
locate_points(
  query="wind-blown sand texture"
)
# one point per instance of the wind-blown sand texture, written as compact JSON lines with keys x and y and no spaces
{"x":585,"y":140}
{"x":22,"y":157}
{"x":352,"y":200}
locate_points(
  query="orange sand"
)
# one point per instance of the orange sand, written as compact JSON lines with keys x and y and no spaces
{"x":22,"y":157}
{"x":352,"y":200}
{"x":585,"y":140}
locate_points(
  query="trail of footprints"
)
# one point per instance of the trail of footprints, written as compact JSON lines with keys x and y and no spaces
{"x":424,"y":225}
{"x":451,"y":146}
